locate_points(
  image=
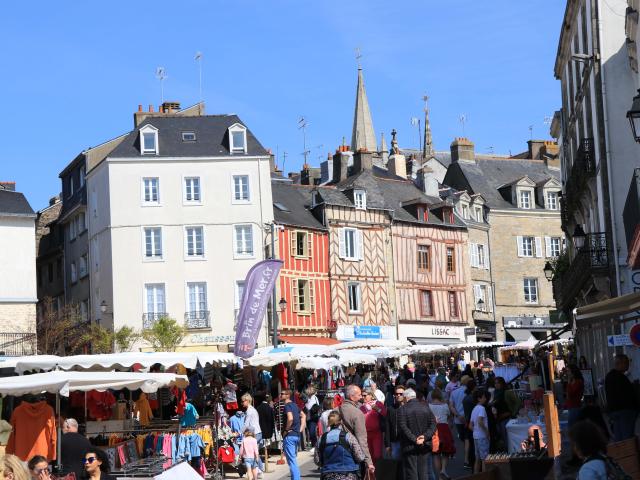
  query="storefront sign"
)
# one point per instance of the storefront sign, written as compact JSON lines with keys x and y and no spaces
{"x":210,"y":339}
{"x":446,"y":332}
{"x":470,"y":331}
{"x":366,"y":331}
{"x":619,"y":340}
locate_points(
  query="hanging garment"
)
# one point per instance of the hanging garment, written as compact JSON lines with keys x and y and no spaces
{"x":34,"y":431}
{"x":181,"y":400}
{"x":189,"y":417}
{"x":100,"y":404}
{"x":142,"y":409}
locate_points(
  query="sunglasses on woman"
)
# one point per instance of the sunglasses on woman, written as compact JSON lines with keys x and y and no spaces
{"x":89,"y":460}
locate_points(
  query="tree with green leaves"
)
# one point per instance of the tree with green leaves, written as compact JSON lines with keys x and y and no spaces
{"x":125,"y":338}
{"x":165,"y":334}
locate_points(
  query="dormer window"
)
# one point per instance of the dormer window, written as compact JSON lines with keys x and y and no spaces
{"x":149,"y":140}
{"x":447,"y":215}
{"x":552,"y":200}
{"x":478,"y":214}
{"x":188,"y":136}
{"x":237,"y":138}
{"x":465,"y":212}
{"x":422,"y":213}
{"x":360,"y":199}
{"x":524,"y":199}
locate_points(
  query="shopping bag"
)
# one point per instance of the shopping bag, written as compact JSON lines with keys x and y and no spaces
{"x":435,"y":442}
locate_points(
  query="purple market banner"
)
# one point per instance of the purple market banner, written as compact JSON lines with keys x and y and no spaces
{"x":257,"y":291}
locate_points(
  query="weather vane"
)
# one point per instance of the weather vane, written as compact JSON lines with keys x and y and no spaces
{"x":358,"y":57}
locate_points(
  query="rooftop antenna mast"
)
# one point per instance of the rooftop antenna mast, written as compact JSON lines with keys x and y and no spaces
{"x":198,"y":58}
{"x":358,"y":57}
{"x":284,"y":161}
{"x":463,"y":120}
{"x":161,"y":75}
{"x":302,"y":125}
{"x":530,"y":132}
{"x":415,"y":122}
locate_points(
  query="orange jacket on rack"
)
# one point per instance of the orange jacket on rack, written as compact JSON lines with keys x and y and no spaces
{"x":34,"y":431}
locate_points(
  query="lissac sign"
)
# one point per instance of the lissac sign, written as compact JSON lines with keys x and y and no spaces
{"x":450,"y":332}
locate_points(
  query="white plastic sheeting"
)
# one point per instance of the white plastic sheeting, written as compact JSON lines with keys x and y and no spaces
{"x":122,"y":361}
{"x":65,"y":382}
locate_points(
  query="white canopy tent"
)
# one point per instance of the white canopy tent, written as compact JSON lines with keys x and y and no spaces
{"x":64,"y":382}
{"x":475,"y":345}
{"x":427,"y":349}
{"x":371,"y":343}
{"x":527,"y":345}
{"x":270,"y":356}
{"x":348,"y":357}
{"x":122,"y":361}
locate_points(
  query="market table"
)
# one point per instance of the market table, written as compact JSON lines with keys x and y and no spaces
{"x":518,"y":432}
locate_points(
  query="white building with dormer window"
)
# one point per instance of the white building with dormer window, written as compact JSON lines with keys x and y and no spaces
{"x":176,"y":215}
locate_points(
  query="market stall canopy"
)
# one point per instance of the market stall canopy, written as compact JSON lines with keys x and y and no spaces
{"x":427,"y":349}
{"x":371,"y":343}
{"x":12,"y":362}
{"x":476,"y":345}
{"x":269,"y":356}
{"x":65,"y":382}
{"x":610,"y":308}
{"x":349,"y":357}
{"x":123,"y":361}
{"x":530,"y":344}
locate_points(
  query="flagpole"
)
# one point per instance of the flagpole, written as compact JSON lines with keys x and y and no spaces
{"x":274,"y":313}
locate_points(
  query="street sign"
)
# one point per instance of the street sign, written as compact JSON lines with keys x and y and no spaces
{"x":634,"y":334}
{"x":470,"y":330}
{"x":618,"y":340}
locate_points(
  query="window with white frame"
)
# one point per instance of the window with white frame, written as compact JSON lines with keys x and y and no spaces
{"x":530,"y":286}
{"x":303,"y":297}
{"x":192,"y":189}
{"x":239,"y":293}
{"x":465,"y":212}
{"x":481,"y":297}
{"x":525,"y":199}
{"x":241,"y":191}
{"x":553,"y":246}
{"x":84,"y":310}
{"x":151,"y":190}
{"x":189,"y":136}
{"x":155,"y":300}
{"x":194,"y":242}
{"x":83,"y":263}
{"x":354,"y":294}
{"x":350,"y":244}
{"x":454,"y":311}
{"x":237,"y":139}
{"x":148,"y":140}
{"x":478,"y":214}
{"x":74,"y":272}
{"x":243,"y":240}
{"x":481,"y":256}
{"x":300,"y":244}
{"x":529,"y":246}
{"x":72,"y":229}
{"x":360,"y":199}
{"x":153,"y":242}
{"x":552,"y":200}
{"x":198,"y":309}
{"x":81,"y":223}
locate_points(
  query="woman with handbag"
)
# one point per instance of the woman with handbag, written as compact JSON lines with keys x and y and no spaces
{"x":443,"y":446}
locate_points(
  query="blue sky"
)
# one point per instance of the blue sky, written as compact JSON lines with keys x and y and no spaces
{"x":74,"y":72}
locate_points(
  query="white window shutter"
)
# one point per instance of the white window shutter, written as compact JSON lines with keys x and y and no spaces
{"x":294,"y":241}
{"x":520,"y":246}
{"x":309,"y":244}
{"x":294,"y":296}
{"x":477,"y":294}
{"x":547,"y":245}
{"x":342,"y":233}
{"x":476,"y":251}
{"x":539,"y":247}
{"x":471,"y":254}
{"x":360,"y":255}
{"x":312,"y":303}
{"x":489,"y":300}
{"x":486,"y":257}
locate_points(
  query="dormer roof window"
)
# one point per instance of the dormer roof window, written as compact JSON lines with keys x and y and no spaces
{"x":524,"y":199}
{"x":189,"y":136}
{"x":149,"y":140}
{"x":360,"y":199}
{"x":237,"y":138}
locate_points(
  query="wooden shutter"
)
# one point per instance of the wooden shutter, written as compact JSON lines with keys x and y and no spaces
{"x":520,"y":246}
{"x":489,"y":300}
{"x":342,"y":233}
{"x":294,"y":294}
{"x":486,"y":257}
{"x":359,"y":245}
{"x":539,"y":247}
{"x":312,"y":303}
{"x":471,"y":245}
{"x":309,"y":244}
{"x":477,"y":295}
{"x":293,"y":241}
{"x":547,"y":244}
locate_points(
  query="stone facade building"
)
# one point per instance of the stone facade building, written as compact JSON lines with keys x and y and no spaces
{"x":50,"y":258}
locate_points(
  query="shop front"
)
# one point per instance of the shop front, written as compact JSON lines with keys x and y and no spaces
{"x":347,"y":333}
{"x":432,"y":334}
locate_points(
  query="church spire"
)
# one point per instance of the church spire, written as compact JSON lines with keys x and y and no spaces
{"x":428,"y":141}
{"x":363,"y":137}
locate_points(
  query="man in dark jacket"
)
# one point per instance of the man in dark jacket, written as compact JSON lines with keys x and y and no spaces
{"x":621,"y":400}
{"x":418,"y":426}
{"x":392,"y":427}
{"x":267,"y":418}
{"x":74,"y":447}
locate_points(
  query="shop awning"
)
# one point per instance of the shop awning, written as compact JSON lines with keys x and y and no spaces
{"x":434,"y":341}
{"x":427,"y":349}
{"x":610,"y":308}
{"x":65,"y":382}
{"x":476,"y":345}
{"x":308,"y":340}
{"x":269,"y":356}
{"x":520,"y":334}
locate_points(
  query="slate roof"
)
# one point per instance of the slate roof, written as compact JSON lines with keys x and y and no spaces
{"x":296,"y":199}
{"x":385,"y":191}
{"x":486,"y":176}
{"x":211,"y":137}
{"x":15,"y":204}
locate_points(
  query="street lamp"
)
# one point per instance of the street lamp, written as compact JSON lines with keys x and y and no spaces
{"x":282,"y":305}
{"x":548,"y":271}
{"x":579,"y":237}
{"x":480,"y":305}
{"x":103,"y":307}
{"x":634,"y":117}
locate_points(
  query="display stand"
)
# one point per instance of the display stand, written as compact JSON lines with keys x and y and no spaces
{"x":552,"y":425}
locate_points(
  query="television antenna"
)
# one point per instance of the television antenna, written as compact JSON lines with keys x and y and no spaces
{"x":198,"y":58}
{"x":302,"y":125}
{"x":463,"y":120}
{"x":415,"y":122}
{"x":548,"y":121}
{"x":530,"y":132}
{"x":161,"y":75}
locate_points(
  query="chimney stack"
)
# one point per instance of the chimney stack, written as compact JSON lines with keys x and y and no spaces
{"x":8,"y":186}
{"x":535,"y":147}
{"x":341,"y":165}
{"x":462,"y":149}
{"x":362,"y":160}
{"x":430,"y":185}
{"x":397,"y":165}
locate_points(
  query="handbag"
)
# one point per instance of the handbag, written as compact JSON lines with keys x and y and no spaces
{"x":435,"y":442}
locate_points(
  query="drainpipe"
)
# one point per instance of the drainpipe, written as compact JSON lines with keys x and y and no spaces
{"x":393,"y":279}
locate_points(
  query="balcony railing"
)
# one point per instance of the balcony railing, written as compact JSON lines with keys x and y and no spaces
{"x":18,"y":344}
{"x":541,"y":321}
{"x":583,"y":168}
{"x":148,"y":319}
{"x":592,"y":260}
{"x":197,"y":319}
